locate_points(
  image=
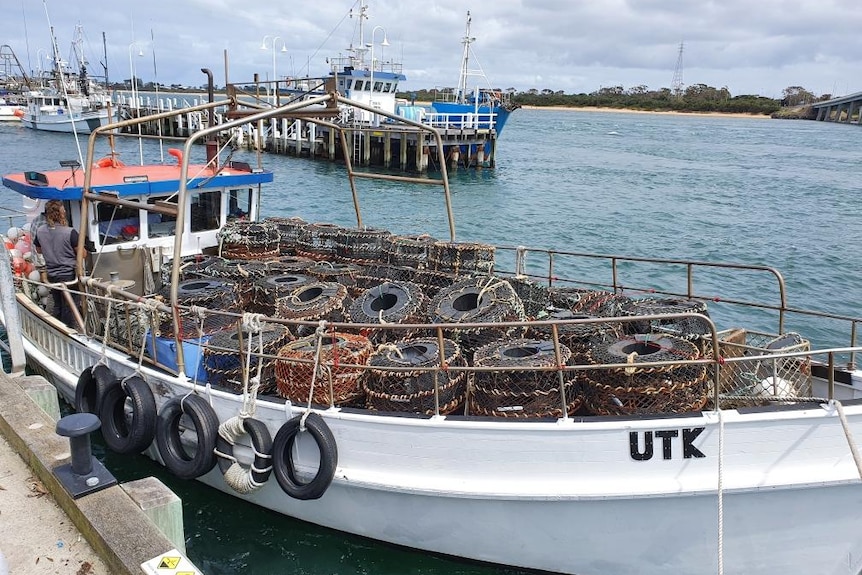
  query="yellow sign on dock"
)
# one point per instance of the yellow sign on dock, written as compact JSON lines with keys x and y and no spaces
{"x":170,"y":563}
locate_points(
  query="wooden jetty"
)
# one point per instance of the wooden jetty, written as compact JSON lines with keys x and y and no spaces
{"x":389,"y":146}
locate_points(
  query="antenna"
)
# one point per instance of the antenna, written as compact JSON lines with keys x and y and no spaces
{"x":676,"y":85}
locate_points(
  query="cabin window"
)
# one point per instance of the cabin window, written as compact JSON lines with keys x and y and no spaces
{"x":159,"y":225}
{"x":387,"y":87}
{"x":360,"y":85}
{"x":117,"y":223}
{"x":239,"y":204}
{"x":205,"y":211}
{"x":378,"y":86}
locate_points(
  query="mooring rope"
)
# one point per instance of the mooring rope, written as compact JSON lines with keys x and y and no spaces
{"x":854,"y":451}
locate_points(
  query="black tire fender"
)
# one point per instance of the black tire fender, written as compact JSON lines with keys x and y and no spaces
{"x":282,"y":457}
{"x":261,"y":441}
{"x":93,"y":383}
{"x":135,"y":432}
{"x":205,"y":426}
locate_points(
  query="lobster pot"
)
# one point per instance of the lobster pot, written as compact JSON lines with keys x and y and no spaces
{"x":484,"y":299}
{"x":288,"y":263}
{"x":395,"y":381}
{"x":194,"y":266}
{"x":432,"y":282}
{"x":319,"y":241}
{"x":598,"y":303}
{"x":268,"y":289}
{"x":504,"y":391}
{"x":363,"y":246}
{"x":344,"y":273}
{"x":409,"y":251}
{"x":578,"y":337}
{"x":224,"y":364}
{"x":335,"y":372}
{"x":762,"y":379}
{"x":314,"y":301}
{"x":209,"y":294}
{"x":637,"y":389}
{"x":243,"y":240}
{"x":244,"y":274}
{"x":376,"y":274}
{"x":386,"y":304}
{"x":289,"y":232}
{"x":690,"y":328}
{"x":461,"y":257}
{"x":534,"y":296}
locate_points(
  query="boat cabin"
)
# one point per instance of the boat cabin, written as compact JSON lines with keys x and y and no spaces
{"x":132,"y":211}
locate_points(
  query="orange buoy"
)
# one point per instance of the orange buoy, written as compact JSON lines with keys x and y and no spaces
{"x":177,"y":153}
{"x":109,"y":162}
{"x":18,"y":113}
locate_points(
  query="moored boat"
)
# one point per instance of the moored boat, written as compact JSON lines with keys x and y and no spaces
{"x":584,"y":420}
{"x":10,"y":111}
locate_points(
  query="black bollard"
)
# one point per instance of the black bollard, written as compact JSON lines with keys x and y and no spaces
{"x":85,"y":474}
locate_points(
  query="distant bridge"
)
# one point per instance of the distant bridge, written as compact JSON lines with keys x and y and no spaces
{"x":846,"y":109}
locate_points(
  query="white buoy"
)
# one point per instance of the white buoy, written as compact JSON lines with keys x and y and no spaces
{"x":775,"y":386}
{"x":13,"y":234}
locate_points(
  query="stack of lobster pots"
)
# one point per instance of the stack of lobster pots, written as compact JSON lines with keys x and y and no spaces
{"x":479,"y":364}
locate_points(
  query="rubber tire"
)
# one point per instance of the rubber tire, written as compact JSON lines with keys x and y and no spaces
{"x":92,"y":386}
{"x":261,"y":440}
{"x":121,"y":435}
{"x":174,"y":455}
{"x":282,"y":458}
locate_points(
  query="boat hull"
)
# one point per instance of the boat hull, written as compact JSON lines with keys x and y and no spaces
{"x":82,"y":124}
{"x":588,"y":495}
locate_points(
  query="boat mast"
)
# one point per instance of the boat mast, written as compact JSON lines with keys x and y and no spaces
{"x":465,"y":60}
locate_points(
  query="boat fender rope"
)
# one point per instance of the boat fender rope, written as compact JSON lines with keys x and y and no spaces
{"x":319,"y":332}
{"x":630,"y":359}
{"x":854,"y":451}
{"x":241,"y":479}
{"x":520,"y":259}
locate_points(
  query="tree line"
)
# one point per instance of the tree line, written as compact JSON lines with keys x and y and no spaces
{"x":693,"y":98}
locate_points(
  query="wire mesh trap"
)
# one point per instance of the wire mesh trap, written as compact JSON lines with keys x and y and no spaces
{"x":363,"y":246}
{"x":416,"y":390}
{"x":194,"y":296}
{"x":328,"y":377}
{"x":319,"y":241}
{"x":289,"y":231}
{"x":410,"y":251}
{"x":512,"y":391}
{"x":244,"y":240}
{"x":225,"y":357}
{"x":638,"y":389}
{"x":389,"y":303}
{"x":461,"y":257}
{"x":313,"y":302}
{"x":268,"y":289}
{"x":689,"y":328}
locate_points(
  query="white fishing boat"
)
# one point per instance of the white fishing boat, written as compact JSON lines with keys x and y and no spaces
{"x":446,"y":395}
{"x":69,"y":100}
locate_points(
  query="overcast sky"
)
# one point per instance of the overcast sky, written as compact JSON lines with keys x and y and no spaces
{"x":749,"y":46}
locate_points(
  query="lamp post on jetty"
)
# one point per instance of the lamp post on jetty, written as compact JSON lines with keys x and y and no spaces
{"x":272,"y":46}
{"x":134,"y":81}
{"x":385,"y":42}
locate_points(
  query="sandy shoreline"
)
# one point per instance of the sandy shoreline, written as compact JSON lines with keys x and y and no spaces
{"x":660,"y":112}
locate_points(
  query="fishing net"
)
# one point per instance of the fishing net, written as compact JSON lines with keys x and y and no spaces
{"x":202,"y":302}
{"x":268,"y":289}
{"x":363,"y":246}
{"x":289,"y":232}
{"x":410,"y":251}
{"x":764,"y":380}
{"x":461,"y":257}
{"x":637,"y":389}
{"x":480,"y":299}
{"x":341,"y":272}
{"x":244,"y":240}
{"x":339,"y":368}
{"x":689,"y":328}
{"x":319,"y":241}
{"x":313,"y":302}
{"x":510,"y":392}
{"x":389,"y":303}
{"x":224,"y":363}
{"x":391,"y":385}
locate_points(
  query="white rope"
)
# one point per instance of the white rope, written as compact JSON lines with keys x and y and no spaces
{"x":239,"y":478}
{"x":854,"y":451}
{"x":319,"y":333}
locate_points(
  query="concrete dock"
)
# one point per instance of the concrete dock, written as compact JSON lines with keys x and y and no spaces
{"x":43,"y":529}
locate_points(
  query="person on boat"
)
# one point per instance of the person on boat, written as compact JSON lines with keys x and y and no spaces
{"x":57,"y":242}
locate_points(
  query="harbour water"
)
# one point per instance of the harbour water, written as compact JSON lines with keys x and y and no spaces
{"x":744,"y":190}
